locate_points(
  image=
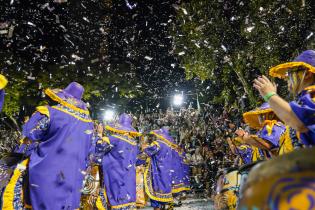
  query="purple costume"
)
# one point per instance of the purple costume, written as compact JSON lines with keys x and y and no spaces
{"x":118,"y":165}
{"x":180,"y":173}
{"x":1,"y":99}
{"x":271,"y":132}
{"x":304,"y":109}
{"x":58,"y":164}
{"x":246,"y":153}
{"x":158,"y":173}
{"x":3,"y":83}
{"x":304,"y":105}
{"x":272,"y":129}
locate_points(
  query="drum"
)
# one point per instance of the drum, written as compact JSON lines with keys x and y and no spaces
{"x":243,"y":172}
{"x":232,"y":180}
{"x":141,"y":195}
{"x":227,"y":189}
{"x":91,"y":188}
{"x":219,"y":183}
{"x":285,"y":182}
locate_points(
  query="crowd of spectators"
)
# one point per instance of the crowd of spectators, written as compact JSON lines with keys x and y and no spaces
{"x":202,"y":133}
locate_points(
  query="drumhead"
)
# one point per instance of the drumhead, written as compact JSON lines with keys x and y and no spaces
{"x":284,"y":182}
{"x":249,"y":166}
{"x":228,"y":170}
{"x":298,"y":160}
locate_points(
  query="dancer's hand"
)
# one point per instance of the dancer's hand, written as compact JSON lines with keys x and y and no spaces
{"x":240,"y":132}
{"x":264,"y":85}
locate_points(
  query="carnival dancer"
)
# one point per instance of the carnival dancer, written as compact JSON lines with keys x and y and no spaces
{"x":57,"y":166}
{"x":119,"y":164}
{"x":158,"y":173}
{"x":246,"y":153}
{"x":298,"y":114}
{"x":3,"y":83}
{"x":270,"y":130}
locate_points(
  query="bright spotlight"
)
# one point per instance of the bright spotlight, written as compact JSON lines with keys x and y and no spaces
{"x":178,"y":99}
{"x":109,"y":115}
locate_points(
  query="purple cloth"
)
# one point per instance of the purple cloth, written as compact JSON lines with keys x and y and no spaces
{"x":180,"y":173}
{"x":1,"y":99}
{"x":304,"y":109}
{"x":26,"y":149}
{"x":274,"y":138}
{"x":159,"y":172}
{"x":164,"y":132}
{"x":124,"y":123}
{"x":308,"y":56}
{"x":119,"y":171}
{"x":72,"y":94}
{"x":177,"y":170}
{"x":246,"y":153}
{"x":157,"y":204}
{"x":57,"y":165}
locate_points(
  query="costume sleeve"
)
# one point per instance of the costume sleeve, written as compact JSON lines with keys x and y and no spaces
{"x":305,"y":110}
{"x":3,"y":83}
{"x":140,"y":162}
{"x":100,"y":147}
{"x":36,"y":128}
{"x":272,"y":133}
{"x":141,"y":157}
{"x":245,"y":153}
{"x":1,"y":99}
{"x":152,"y":149}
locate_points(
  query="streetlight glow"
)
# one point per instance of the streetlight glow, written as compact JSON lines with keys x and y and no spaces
{"x":109,"y":115}
{"x":178,"y":99}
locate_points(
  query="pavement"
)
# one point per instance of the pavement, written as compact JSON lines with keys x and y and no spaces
{"x":193,"y":204}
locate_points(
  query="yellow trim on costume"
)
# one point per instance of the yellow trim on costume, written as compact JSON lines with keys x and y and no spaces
{"x":43,"y":110}
{"x":251,"y":117}
{"x":281,"y":70}
{"x":132,"y":133}
{"x":22,"y":140}
{"x":269,"y":125}
{"x":164,"y":140}
{"x":28,"y":206}
{"x":123,"y":205}
{"x":8,"y":194}
{"x":56,"y":98}
{"x":255,"y":154}
{"x":310,"y":88}
{"x":73,"y":115}
{"x":99,"y":204}
{"x":181,"y":189}
{"x":155,"y":143}
{"x":146,"y":186}
{"x":106,"y":139}
{"x":126,"y":140}
{"x":285,"y":142}
{"x":3,"y":81}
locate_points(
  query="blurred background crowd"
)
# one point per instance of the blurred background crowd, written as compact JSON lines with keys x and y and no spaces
{"x":202,"y":133}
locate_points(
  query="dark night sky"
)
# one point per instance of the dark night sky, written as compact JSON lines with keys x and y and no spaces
{"x":136,"y":38}
{"x":143,"y":33}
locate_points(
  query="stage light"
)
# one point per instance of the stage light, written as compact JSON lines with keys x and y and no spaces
{"x":178,"y":99}
{"x":109,"y":115}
